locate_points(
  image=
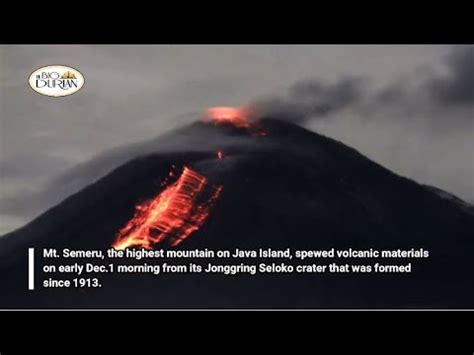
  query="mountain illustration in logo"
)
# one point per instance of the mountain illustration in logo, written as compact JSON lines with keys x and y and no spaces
{"x":68,"y":75}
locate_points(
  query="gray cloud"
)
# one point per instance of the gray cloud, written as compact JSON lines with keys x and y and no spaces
{"x":312,"y":99}
{"x":22,"y":165}
{"x":435,"y":95}
{"x":457,"y":86}
{"x":324,"y":98}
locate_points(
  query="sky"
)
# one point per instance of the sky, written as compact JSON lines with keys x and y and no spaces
{"x":408,"y":107}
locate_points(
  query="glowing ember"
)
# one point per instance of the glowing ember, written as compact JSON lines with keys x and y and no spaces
{"x":175,"y":213}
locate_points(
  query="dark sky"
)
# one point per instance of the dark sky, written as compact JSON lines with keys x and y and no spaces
{"x":409,"y":108}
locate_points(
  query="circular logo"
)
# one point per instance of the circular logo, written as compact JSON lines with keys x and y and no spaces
{"x":56,"y":80}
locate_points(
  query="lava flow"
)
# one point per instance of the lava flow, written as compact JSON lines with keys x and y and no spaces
{"x":175,"y":213}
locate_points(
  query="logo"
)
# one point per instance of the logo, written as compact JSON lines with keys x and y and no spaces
{"x":56,"y":80}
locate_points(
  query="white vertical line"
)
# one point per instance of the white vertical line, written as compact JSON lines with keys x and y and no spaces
{"x":31,"y":268}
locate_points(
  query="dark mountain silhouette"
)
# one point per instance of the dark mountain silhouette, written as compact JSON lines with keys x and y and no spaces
{"x":290,"y":188}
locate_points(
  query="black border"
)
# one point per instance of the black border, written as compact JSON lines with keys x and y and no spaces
{"x":240,"y":23}
{"x":312,"y":332}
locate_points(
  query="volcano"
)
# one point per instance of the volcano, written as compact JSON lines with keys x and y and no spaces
{"x":284,"y":188}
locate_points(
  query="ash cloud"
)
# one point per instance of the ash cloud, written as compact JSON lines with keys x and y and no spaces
{"x":457,"y":87}
{"x":313,"y":99}
{"x":317,"y":99}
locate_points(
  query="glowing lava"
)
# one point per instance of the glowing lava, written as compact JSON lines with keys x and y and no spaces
{"x":228,"y":115}
{"x":237,"y":117}
{"x":175,"y":213}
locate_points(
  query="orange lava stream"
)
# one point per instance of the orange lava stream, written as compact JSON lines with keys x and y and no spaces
{"x":172,"y":215}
